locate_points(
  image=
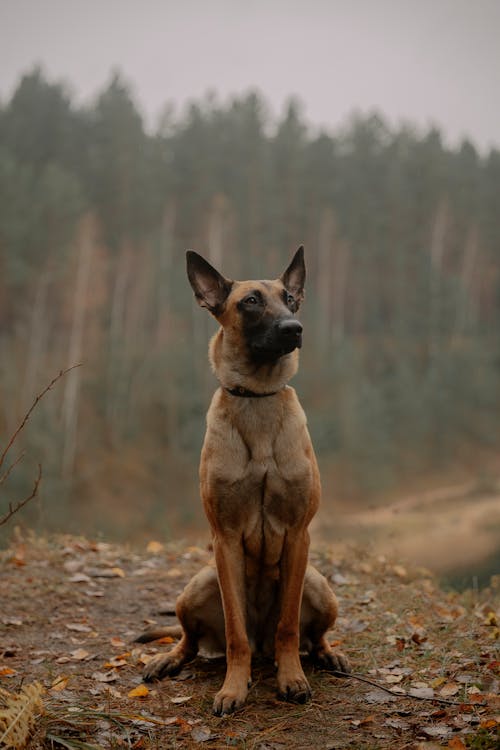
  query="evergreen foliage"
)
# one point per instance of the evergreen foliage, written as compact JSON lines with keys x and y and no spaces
{"x":401,"y":365}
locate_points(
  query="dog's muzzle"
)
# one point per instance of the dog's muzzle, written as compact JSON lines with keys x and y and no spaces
{"x":281,"y":338}
{"x":289,"y":334}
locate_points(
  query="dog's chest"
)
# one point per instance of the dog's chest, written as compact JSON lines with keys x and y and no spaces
{"x":257,"y":474}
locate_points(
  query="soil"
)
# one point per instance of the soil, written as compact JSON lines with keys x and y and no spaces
{"x":70,"y":609}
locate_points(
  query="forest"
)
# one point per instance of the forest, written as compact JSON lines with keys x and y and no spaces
{"x":400,"y":369}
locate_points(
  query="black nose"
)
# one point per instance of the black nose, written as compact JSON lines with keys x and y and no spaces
{"x":292,"y":329}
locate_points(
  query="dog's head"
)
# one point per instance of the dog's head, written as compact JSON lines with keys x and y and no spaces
{"x":262,"y":312}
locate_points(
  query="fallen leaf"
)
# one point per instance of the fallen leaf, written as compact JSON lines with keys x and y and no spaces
{"x":489,"y":723}
{"x":202,"y":734}
{"x":165,"y":639}
{"x":79,"y":578}
{"x":418,"y":637}
{"x":155,"y":547}
{"x":78,"y":627}
{"x":400,"y":571}
{"x":105,"y":676}
{"x":473,"y":690}
{"x":436,"y":731}
{"x":456,"y":744}
{"x":141,"y":691}
{"x":14,"y":621}
{"x":396,"y":724}
{"x":7,"y":672}
{"x":451,"y":688}
{"x":59,"y":684}
{"x":79,"y":654}
{"x":183,"y":725}
{"x":174,"y":572}
{"x":393,"y":678}
{"x":491,"y":619}
{"x":18,"y":558}
{"x":117,"y":643}
{"x":437,"y":682}
{"x":181,"y":699}
{"x":115,"y":663}
{"x":362,"y":722}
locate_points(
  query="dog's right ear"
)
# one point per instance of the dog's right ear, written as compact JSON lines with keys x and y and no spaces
{"x":210,"y":288}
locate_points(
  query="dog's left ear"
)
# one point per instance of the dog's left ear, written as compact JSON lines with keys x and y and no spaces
{"x":210,"y":288}
{"x":295,"y":276}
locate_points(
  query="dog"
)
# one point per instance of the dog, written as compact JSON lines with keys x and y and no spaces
{"x":260,"y":488}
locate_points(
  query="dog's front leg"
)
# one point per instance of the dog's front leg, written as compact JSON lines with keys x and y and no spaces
{"x":230,"y":563}
{"x":292,"y":683}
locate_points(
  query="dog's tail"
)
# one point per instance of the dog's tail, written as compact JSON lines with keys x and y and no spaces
{"x":155,"y":632}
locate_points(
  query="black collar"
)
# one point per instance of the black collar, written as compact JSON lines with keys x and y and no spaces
{"x":244,"y":393}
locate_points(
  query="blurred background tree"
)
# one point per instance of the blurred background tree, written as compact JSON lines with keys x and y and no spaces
{"x":401,"y":364}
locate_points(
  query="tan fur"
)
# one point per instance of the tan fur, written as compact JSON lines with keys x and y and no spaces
{"x":260,"y":488}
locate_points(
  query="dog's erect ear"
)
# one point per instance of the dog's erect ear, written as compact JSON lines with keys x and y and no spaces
{"x":295,"y":275}
{"x":209,"y":286}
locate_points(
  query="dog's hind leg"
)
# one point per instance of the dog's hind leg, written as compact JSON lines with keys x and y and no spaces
{"x":317,"y":616}
{"x":199,"y":610}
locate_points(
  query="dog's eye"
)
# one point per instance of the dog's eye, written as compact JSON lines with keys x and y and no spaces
{"x":251,"y":300}
{"x":290,"y":300}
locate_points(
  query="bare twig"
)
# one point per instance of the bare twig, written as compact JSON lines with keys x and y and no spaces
{"x":14,"y":508}
{"x":361,"y":678}
{"x":61,"y":374}
{"x":5,"y":475}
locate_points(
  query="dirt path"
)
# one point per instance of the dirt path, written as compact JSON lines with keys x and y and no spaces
{"x":444,"y":529}
{"x":70,"y":609}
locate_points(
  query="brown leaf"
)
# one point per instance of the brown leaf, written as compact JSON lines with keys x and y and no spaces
{"x":117,"y":643}
{"x":7,"y":672}
{"x":437,"y":682}
{"x":489,"y":723}
{"x":418,"y":637}
{"x":393,"y":678}
{"x":141,"y":691}
{"x":155,"y":547}
{"x":451,"y":688}
{"x":79,"y":654}
{"x":174,"y":572}
{"x":116,"y":662}
{"x":59,"y":684}
{"x":456,"y":744}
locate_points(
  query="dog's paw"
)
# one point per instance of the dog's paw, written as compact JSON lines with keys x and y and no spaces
{"x":297,"y":691}
{"x":294,"y":688}
{"x":230,"y":697}
{"x":162,"y":665}
{"x":333,"y":661}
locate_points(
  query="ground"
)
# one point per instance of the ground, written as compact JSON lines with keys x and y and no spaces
{"x":70,"y":609}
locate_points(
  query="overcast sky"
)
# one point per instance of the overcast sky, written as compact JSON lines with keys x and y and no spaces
{"x":428,"y":61}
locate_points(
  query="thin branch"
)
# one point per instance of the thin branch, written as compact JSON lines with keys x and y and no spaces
{"x":21,"y":503}
{"x":5,"y":475}
{"x":32,"y":407}
{"x":361,"y":678}
{"x":16,"y":507}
